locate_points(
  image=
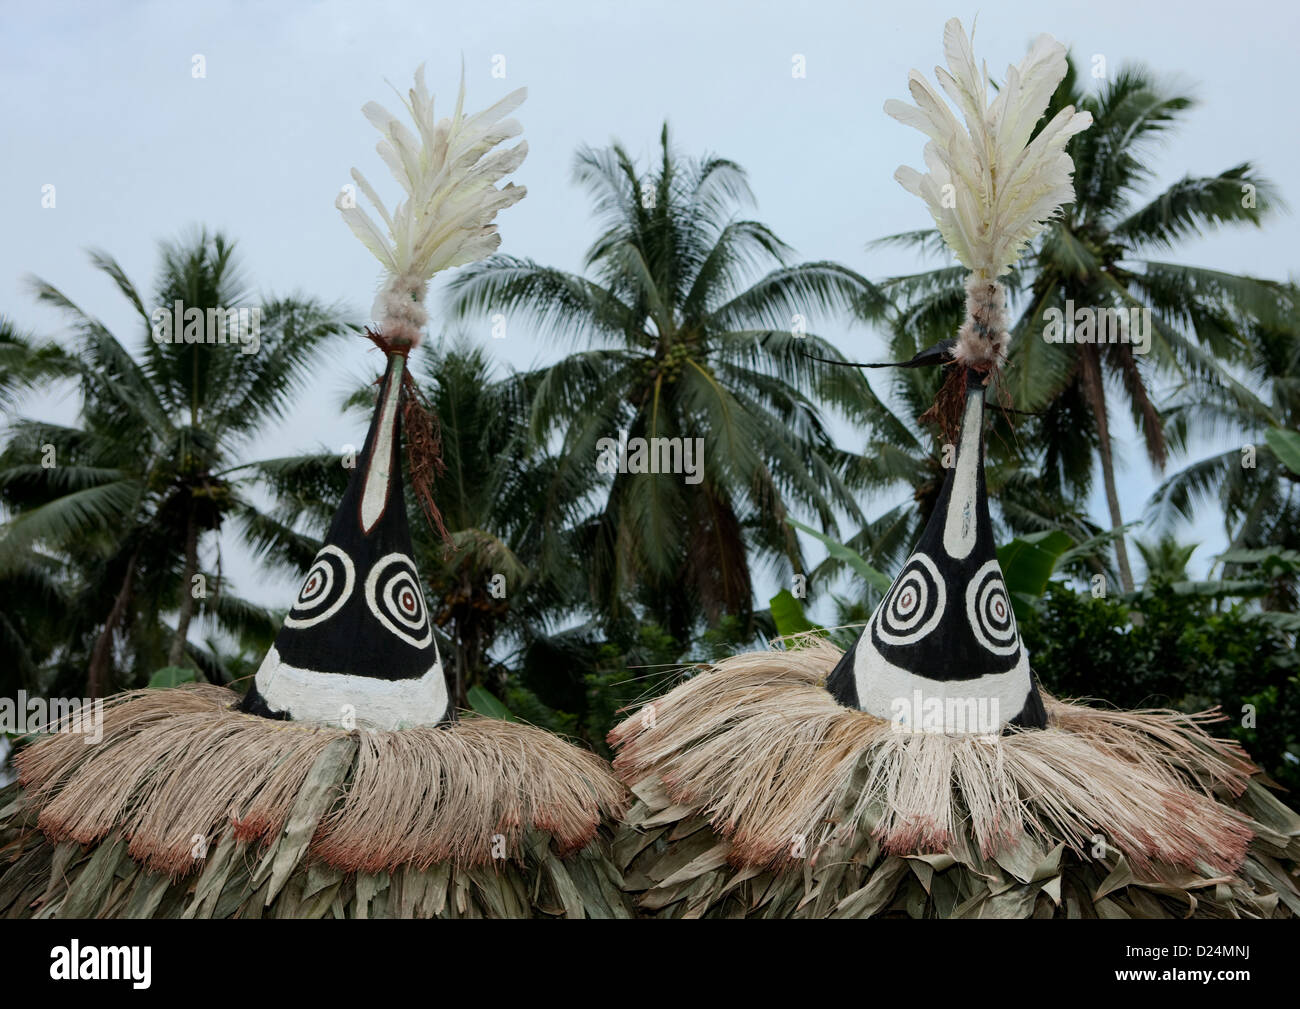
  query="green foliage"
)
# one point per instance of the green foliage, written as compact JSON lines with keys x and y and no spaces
{"x":1286,"y":446}
{"x":729,"y":635}
{"x":171,"y":676}
{"x":851,"y":558}
{"x":578,"y":683}
{"x":484,"y":703}
{"x":1027,"y":563}
{"x":627,"y":675}
{"x":788,"y":614}
{"x":1184,"y":654}
{"x":529,"y":708}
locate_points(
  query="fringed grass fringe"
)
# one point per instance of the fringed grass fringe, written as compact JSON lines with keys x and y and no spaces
{"x":759,"y":758}
{"x":430,"y":795}
{"x":176,"y":767}
{"x":679,"y":867}
{"x":242,"y":879}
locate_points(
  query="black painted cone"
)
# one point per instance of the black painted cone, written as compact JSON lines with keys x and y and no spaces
{"x":357,"y":648}
{"x":942,"y":651}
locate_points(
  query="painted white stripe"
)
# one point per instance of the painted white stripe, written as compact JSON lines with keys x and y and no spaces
{"x":374,"y":496}
{"x":959,"y":528}
{"x":327,"y":698}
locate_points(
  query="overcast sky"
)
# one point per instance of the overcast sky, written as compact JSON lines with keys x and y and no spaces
{"x":99,"y":100}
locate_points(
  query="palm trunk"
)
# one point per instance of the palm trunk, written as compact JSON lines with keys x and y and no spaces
{"x":97,"y":674}
{"x":187,"y":592}
{"x":460,"y":683}
{"x":1096,"y":393}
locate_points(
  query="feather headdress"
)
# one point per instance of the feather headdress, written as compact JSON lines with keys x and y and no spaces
{"x":449,"y":170}
{"x":990,"y":189}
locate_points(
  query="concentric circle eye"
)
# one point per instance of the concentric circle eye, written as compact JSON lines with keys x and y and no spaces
{"x":394,"y":596}
{"x":326,"y":587}
{"x":914,"y":605}
{"x":988,"y":608}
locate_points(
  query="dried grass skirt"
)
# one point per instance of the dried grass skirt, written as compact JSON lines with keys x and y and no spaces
{"x":187,"y":808}
{"x":759,"y":795}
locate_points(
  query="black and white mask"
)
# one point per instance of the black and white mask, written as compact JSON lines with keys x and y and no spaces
{"x":357,"y":648}
{"x":942,"y":651}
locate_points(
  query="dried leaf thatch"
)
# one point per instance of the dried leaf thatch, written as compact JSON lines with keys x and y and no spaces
{"x":760,"y":795}
{"x":187,"y":808}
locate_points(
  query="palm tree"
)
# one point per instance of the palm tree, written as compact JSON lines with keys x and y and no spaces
{"x":683,"y":340}
{"x":1258,"y":494}
{"x":33,"y":594}
{"x":1098,"y":256}
{"x":137,"y":486}
{"x":26,"y":363}
{"x":1165,"y":558}
{"x":33,"y":601}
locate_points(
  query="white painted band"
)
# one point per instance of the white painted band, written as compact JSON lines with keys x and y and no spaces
{"x":330,"y":698}
{"x":882,"y":685}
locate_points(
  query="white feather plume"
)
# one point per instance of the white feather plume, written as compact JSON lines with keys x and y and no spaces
{"x":448,"y":170}
{"x":1004,"y":189}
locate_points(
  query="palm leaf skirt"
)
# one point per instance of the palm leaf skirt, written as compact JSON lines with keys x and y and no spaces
{"x":757,"y":795}
{"x":187,"y":808}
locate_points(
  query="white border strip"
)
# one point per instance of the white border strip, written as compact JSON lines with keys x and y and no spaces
{"x":329,"y":698}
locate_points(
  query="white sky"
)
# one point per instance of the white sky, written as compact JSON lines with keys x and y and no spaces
{"x":98,"y":99}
